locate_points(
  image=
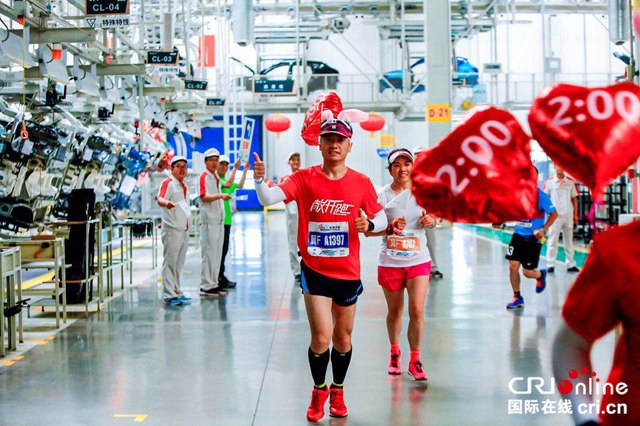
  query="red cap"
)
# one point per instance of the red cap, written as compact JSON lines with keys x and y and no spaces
{"x":336,"y":126}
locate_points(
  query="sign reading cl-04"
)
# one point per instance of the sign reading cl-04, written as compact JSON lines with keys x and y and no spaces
{"x":196,"y":84}
{"x":162,"y":57}
{"x":107,"y":7}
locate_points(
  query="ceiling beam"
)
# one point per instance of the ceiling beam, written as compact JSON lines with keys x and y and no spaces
{"x":163,"y":91}
{"x":59,"y":35}
{"x":115,"y":69}
{"x":376,"y":8}
{"x":181,"y":106}
{"x":101,"y":70}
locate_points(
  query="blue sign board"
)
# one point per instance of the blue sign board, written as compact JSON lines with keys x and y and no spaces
{"x":383,"y":152}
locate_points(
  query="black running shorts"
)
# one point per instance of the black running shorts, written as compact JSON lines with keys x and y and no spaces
{"x":525,"y":250}
{"x":342,"y":292}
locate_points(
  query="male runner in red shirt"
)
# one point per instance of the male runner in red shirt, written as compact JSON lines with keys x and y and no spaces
{"x":332,"y":202}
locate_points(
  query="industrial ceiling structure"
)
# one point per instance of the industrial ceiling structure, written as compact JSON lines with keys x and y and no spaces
{"x":122,"y":73}
{"x":119,"y":53}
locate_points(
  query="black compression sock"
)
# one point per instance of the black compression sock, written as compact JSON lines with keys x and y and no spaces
{"x":516,"y":294}
{"x":339,"y":365}
{"x":318,"y":364}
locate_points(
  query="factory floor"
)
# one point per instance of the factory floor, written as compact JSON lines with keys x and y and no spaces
{"x":242,"y":359}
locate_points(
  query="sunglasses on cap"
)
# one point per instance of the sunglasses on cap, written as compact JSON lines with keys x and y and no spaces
{"x":334,"y":125}
{"x":336,"y":121}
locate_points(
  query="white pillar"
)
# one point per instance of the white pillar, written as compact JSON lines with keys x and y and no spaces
{"x":437,"y":33}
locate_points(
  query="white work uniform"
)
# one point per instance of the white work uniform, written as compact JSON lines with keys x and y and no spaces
{"x":175,"y":238}
{"x":430,"y":233}
{"x":212,"y":231}
{"x":292,"y":233}
{"x":562,"y":192}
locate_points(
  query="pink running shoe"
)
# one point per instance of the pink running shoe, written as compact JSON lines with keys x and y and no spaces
{"x":417,"y":371}
{"x":315,"y":412}
{"x":336,"y":403}
{"x":394,"y":364}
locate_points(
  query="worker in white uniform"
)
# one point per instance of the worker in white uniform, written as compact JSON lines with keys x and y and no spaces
{"x":173,"y":197}
{"x":292,"y":220}
{"x":212,"y":230}
{"x":430,"y":233}
{"x":564,"y":195}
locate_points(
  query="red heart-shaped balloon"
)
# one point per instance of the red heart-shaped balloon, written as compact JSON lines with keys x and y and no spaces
{"x":312,"y":120}
{"x":479,"y":173}
{"x":592,"y":133}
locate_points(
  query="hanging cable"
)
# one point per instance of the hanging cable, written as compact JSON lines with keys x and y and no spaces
{"x":7,"y":28}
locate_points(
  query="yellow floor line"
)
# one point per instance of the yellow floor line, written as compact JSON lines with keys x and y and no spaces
{"x":37,"y":280}
{"x":47,"y":276}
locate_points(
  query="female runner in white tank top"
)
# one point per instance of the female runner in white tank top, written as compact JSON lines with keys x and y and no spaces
{"x":404,"y":261}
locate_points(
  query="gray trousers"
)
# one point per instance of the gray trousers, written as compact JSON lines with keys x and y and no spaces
{"x":562,"y":224}
{"x":212,"y":237}
{"x":292,"y":238}
{"x":174,"y":249}
{"x":431,"y":246}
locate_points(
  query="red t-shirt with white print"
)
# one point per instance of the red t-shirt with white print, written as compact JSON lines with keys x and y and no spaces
{"x":327,"y":209}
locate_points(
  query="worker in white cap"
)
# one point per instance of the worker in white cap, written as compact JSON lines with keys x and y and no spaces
{"x":292,"y":220}
{"x":212,"y":231}
{"x":173,"y":197}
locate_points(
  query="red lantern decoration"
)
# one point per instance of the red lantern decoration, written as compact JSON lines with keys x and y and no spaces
{"x":375,"y":123}
{"x":277,"y":123}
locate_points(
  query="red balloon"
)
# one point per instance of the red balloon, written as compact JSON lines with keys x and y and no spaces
{"x":479,"y":173}
{"x":374,"y":123}
{"x":636,"y":22}
{"x":312,"y":121}
{"x":591,"y":133}
{"x":277,"y":123}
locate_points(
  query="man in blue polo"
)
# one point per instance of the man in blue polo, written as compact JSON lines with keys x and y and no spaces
{"x":524,"y":249}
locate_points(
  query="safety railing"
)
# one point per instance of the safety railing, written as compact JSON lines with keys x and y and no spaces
{"x":505,"y":90}
{"x":521,"y":89}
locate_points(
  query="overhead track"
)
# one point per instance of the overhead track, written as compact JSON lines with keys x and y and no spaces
{"x":59,"y":35}
{"x":101,"y":70}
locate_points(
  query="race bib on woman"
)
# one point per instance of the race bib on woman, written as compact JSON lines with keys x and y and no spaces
{"x":328,"y":239}
{"x":403,"y":246}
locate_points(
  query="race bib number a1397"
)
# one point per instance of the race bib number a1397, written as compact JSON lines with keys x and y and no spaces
{"x":328,"y":239}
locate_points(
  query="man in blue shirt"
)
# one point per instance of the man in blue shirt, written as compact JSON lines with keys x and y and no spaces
{"x":525,"y":247}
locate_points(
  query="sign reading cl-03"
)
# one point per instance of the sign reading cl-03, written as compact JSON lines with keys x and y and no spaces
{"x":107,"y":7}
{"x":162,"y":57}
{"x":196,"y":84}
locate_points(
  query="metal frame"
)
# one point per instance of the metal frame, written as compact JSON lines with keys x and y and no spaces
{"x":10,"y":284}
{"x":36,"y":256}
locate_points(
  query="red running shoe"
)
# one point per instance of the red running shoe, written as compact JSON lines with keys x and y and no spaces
{"x":394,"y":364}
{"x":416,"y":370}
{"x":336,"y":403}
{"x":315,"y":412}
